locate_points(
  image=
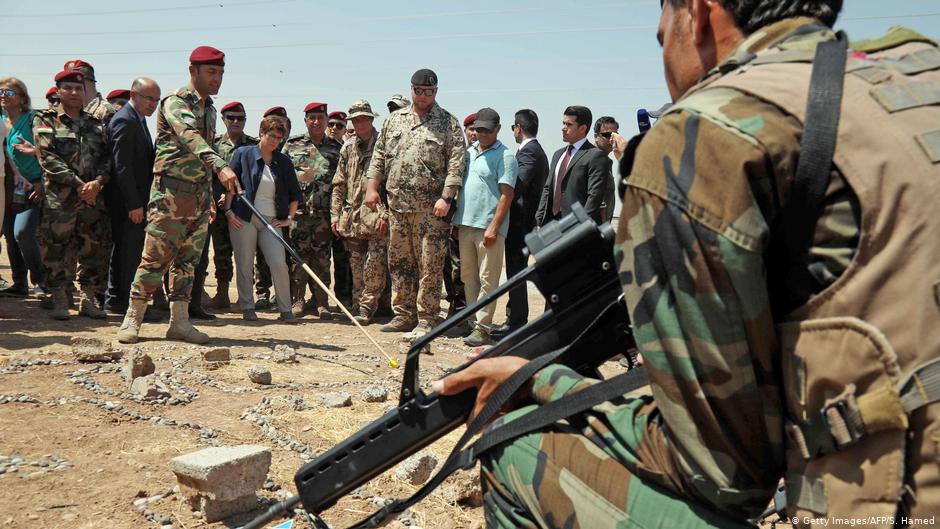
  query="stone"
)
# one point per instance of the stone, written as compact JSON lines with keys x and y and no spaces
{"x":137,"y":364}
{"x":259,"y":375}
{"x":285,"y":354}
{"x":149,"y":387}
{"x":218,"y":355}
{"x":225,"y":473}
{"x":336,"y":400}
{"x":89,"y":349}
{"x":375,"y":394}
{"x":417,"y":468}
{"x":463,"y":488}
{"x":216,"y":510}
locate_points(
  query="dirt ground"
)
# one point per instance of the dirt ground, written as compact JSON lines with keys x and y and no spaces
{"x":92,"y":450}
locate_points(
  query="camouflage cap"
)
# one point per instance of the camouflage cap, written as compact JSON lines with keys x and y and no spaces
{"x":79,"y":65}
{"x":361,"y":107}
{"x":398,"y":101}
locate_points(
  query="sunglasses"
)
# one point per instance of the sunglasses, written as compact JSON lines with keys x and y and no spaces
{"x":423,"y":91}
{"x":337,"y":125}
{"x":234,"y":119}
{"x":605,"y":134}
{"x":8,"y":92}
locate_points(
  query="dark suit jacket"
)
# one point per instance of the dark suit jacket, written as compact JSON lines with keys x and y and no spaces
{"x":133,"y":155}
{"x":533,"y":171}
{"x":248,"y":164}
{"x":584,"y":181}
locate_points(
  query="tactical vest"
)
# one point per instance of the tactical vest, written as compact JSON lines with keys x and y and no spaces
{"x":861,"y":438}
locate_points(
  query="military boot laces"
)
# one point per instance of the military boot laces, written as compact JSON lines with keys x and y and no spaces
{"x":130,"y":327}
{"x":181,"y":328}
{"x":88,"y":306}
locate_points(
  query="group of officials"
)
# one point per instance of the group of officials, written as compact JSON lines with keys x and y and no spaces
{"x":423,"y":203}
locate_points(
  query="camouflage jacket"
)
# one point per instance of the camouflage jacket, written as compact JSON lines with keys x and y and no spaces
{"x":100,"y":109}
{"x":314,"y":173}
{"x":225,"y":147}
{"x":185,"y":131}
{"x":706,"y":186}
{"x":347,"y":210}
{"x":416,"y":158}
{"x":71,"y":153}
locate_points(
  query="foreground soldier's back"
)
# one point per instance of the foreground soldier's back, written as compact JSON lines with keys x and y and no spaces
{"x":764,"y":362}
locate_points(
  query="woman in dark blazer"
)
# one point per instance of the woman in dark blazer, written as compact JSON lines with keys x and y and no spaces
{"x":268,"y":179}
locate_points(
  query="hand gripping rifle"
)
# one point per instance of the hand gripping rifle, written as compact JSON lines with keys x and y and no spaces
{"x":585,"y":324}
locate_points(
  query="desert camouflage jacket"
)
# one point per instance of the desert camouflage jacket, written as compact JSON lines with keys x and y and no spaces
{"x":347,"y":210}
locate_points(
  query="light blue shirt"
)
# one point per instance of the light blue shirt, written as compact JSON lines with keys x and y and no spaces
{"x":480,"y":194}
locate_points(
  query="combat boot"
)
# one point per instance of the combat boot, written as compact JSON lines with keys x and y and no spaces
{"x":221,"y":299}
{"x":60,"y":305}
{"x":364,"y":317}
{"x":180,"y":328}
{"x":298,"y":307}
{"x":130,"y":327}
{"x":88,"y":307}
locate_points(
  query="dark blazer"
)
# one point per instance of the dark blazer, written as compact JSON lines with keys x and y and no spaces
{"x":584,"y":181}
{"x":533,"y":171}
{"x":132,"y":153}
{"x":248,"y":165}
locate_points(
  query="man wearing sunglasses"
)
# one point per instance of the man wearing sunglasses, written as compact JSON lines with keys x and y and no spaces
{"x":420,"y":156}
{"x":336,"y":126}
{"x":604,"y":128}
{"x":315,"y":156}
{"x":233,"y":117}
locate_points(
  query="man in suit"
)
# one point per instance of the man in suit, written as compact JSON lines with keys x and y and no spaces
{"x":132,"y":153}
{"x":604,"y":129}
{"x":533,"y":172}
{"x":579,"y":171}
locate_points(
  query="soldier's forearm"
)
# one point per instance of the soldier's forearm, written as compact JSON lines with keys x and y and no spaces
{"x":450,"y":190}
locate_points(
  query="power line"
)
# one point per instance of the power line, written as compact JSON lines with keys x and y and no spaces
{"x":215,"y":5}
{"x":887,"y":17}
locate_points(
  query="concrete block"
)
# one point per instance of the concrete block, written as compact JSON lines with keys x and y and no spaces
{"x":216,"y":510}
{"x":223,"y":473}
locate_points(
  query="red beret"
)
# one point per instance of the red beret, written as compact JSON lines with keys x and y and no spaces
{"x":80,"y":66}
{"x":234,"y":105}
{"x":277,"y":111}
{"x":467,"y":121}
{"x":337,"y":115}
{"x":120,"y":93}
{"x":69,"y":76}
{"x":315,"y":107}
{"x":207,"y":55}
{"x":52,"y":92}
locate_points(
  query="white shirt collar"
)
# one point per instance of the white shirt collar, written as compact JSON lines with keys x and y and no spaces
{"x":527,"y":140}
{"x":578,"y":144}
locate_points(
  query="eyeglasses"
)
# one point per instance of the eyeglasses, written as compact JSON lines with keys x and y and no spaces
{"x":8,"y":92}
{"x":606,"y":134}
{"x":234,"y":118}
{"x":423,"y":91}
{"x":148,"y":98}
{"x":276,"y":137}
{"x":337,"y":125}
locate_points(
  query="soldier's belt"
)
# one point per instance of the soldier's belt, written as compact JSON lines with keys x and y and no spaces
{"x":179,"y":186}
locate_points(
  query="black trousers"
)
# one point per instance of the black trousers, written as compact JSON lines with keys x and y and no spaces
{"x":517,"y":309}
{"x":125,"y":256}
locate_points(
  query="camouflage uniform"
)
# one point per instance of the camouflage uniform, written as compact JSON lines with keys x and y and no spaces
{"x":417,"y":158}
{"x":695,"y":229}
{"x":180,"y":199}
{"x":100,"y":109}
{"x":218,"y":230}
{"x":72,"y":153}
{"x":310,"y":232}
{"x":368,"y":250}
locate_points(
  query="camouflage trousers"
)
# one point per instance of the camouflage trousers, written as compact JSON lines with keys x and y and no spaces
{"x":368,"y":259}
{"x":312,"y":238}
{"x":177,"y":228}
{"x":74,"y":234}
{"x":416,"y":252}
{"x":222,"y":257}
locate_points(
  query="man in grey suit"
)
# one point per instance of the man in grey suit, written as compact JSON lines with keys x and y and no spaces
{"x":579,"y":172}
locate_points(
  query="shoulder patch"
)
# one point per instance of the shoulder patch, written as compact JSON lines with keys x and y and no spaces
{"x":42,"y":130}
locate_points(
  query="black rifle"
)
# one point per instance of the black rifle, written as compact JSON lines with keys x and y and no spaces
{"x":575,"y":271}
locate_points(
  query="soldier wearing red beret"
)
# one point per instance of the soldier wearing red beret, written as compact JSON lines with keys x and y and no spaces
{"x":52,"y":97}
{"x":181,"y":203}
{"x":95,"y":105}
{"x":118,"y":98}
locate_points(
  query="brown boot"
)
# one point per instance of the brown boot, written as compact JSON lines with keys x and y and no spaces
{"x":130,"y":327}
{"x":180,"y":328}
{"x":221,"y":299}
{"x":298,"y":307}
{"x":88,"y":306}
{"x":398,"y":324}
{"x":60,"y":305}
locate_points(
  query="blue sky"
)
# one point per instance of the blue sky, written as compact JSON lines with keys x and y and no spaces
{"x":506,"y":55}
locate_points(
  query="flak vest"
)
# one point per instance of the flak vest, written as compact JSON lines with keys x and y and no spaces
{"x":859,"y":360}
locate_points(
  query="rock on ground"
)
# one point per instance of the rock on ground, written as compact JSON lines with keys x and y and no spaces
{"x":375,"y":394}
{"x":285,"y":354}
{"x":91,"y":349}
{"x":137,"y":364}
{"x":216,"y":354}
{"x":463,"y":488}
{"x":259,"y":375}
{"x":221,"y":481}
{"x":336,"y":400}
{"x":149,"y":387}
{"x":417,"y":468}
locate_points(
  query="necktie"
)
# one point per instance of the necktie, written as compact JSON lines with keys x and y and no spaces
{"x":143,"y":123}
{"x":562,"y":169}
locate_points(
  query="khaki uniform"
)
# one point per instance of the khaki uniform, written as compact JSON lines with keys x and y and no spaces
{"x":416,"y":158}
{"x":368,"y":249}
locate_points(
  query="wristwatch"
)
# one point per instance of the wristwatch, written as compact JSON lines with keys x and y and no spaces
{"x":450,"y":200}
